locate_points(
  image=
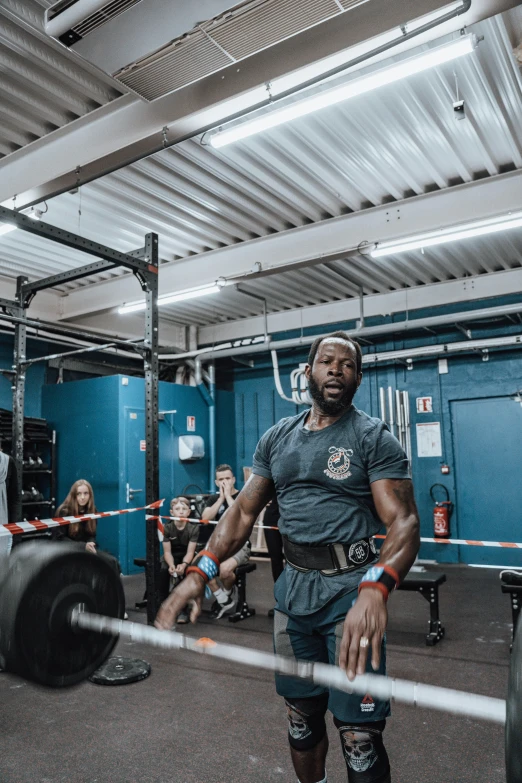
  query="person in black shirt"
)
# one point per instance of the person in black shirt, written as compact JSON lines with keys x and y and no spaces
{"x":224,"y":593}
{"x":80,"y":500}
{"x":179,"y":545}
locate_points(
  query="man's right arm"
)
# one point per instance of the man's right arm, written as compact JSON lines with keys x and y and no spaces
{"x":232,"y":531}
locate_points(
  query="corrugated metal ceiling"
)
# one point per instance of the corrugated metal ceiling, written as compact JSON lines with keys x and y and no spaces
{"x":382,"y":147}
{"x":41,"y":88}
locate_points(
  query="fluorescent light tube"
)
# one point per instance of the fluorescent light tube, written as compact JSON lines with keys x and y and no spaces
{"x":372,"y":81}
{"x":292,"y":80}
{"x":5,"y":228}
{"x":464,"y":231}
{"x":193,"y":294}
{"x":134,"y":307}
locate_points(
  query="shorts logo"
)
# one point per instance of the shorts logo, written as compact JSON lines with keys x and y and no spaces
{"x":339,"y":463}
{"x":358,"y":552}
{"x":367,"y":704}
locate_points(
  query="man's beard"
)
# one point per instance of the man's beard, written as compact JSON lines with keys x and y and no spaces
{"x":331,"y":407}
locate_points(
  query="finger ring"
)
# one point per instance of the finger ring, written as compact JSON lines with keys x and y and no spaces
{"x":364,"y":641}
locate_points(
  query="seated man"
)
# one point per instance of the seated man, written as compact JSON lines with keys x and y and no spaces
{"x":179,"y":545}
{"x":225,"y":593}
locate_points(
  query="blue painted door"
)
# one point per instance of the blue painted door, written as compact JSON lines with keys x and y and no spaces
{"x":134,"y":486}
{"x":487,"y":436}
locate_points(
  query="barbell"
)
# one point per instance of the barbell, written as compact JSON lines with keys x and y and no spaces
{"x":61,"y":615}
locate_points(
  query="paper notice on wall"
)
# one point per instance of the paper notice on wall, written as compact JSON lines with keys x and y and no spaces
{"x":429,"y":443}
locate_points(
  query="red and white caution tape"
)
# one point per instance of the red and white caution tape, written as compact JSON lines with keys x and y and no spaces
{"x":457,"y":541}
{"x":467,"y":542}
{"x":44,"y":524}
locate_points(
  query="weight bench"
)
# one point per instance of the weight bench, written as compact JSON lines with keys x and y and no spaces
{"x":511,"y":583}
{"x":427,"y":584}
{"x":243,"y":610}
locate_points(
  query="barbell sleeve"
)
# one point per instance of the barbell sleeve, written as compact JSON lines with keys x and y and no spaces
{"x":386,"y":688}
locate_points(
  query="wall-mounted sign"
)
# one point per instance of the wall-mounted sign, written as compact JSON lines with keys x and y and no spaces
{"x":143,"y":445}
{"x":424,"y":404}
{"x":429,"y":442}
{"x":191,"y":423}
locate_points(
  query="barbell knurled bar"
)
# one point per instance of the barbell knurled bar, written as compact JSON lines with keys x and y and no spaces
{"x":385,"y":688}
{"x":60,"y":617}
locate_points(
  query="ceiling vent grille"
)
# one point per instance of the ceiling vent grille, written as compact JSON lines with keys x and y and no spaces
{"x":100,"y":17}
{"x":267,"y":23}
{"x":178,"y":64}
{"x":248,"y":28}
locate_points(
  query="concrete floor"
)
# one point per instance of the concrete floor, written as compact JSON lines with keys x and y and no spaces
{"x":196,"y":720}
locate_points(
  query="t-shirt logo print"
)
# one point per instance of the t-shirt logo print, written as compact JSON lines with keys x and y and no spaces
{"x":339,"y":463}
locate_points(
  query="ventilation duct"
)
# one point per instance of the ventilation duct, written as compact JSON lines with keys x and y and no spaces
{"x":154,"y":47}
{"x":71,"y":20}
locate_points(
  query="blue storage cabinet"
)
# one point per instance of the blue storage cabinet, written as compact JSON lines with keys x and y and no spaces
{"x":100,"y":425}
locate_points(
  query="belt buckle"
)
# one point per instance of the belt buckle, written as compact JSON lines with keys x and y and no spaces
{"x":339,"y":557}
{"x":359,"y":552}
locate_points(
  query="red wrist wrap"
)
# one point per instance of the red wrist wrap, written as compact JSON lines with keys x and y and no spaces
{"x":200,"y":559}
{"x":380,"y":577}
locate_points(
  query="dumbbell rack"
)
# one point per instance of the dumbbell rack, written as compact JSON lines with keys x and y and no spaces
{"x":39,"y":465}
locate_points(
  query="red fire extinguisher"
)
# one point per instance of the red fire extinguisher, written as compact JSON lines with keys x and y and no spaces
{"x":441,"y":513}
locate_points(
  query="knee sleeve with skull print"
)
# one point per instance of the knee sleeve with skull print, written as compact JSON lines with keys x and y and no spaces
{"x":306,"y":724}
{"x":364,"y":752}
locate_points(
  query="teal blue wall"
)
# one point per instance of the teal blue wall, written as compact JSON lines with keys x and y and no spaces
{"x":35,"y":376}
{"x":89,"y":417}
{"x":85,"y":417}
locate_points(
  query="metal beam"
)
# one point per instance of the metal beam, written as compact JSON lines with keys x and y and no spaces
{"x":471,"y":289}
{"x":19,"y":355}
{"x":149,"y":282}
{"x":86,"y":349}
{"x":45,"y":306}
{"x":9,"y":304}
{"x":89,"y":148}
{"x":67,"y":277}
{"x":69,"y":239}
{"x":67,"y":331}
{"x":318,"y":242}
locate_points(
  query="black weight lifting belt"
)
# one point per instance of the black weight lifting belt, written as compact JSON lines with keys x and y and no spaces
{"x":329,"y":558}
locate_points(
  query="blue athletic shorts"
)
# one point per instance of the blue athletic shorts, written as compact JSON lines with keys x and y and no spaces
{"x":317,"y":637}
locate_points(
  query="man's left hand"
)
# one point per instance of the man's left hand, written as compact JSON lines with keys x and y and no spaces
{"x":366,"y":620}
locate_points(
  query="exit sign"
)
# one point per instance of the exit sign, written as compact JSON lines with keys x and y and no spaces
{"x":424,"y":404}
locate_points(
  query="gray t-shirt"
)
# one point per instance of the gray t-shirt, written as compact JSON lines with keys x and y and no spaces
{"x":323,"y":482}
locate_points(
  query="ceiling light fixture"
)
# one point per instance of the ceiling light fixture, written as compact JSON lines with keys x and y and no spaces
{"x":5,"y":228}
{"x":421,"y":62}
{"x":441,"y":236}
{"x":180,"y":296}
{"x":363,"y":51}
